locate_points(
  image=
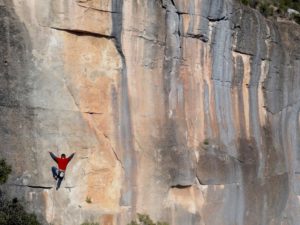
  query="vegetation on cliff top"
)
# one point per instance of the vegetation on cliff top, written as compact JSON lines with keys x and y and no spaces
{"x":11,"y":211}
{"x":288,"y":9}
{"x":144,"y":219}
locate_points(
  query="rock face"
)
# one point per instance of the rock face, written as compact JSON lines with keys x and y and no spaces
{"x":184,"y":110}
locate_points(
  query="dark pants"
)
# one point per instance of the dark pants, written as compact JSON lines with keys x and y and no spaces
{"x":55,"y":173}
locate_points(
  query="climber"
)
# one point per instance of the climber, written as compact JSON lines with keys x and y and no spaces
{"x":62,"y":162}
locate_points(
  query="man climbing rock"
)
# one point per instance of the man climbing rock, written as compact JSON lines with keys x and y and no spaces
{"x":62,"y":162}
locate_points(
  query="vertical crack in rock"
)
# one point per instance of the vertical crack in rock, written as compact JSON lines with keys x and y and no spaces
{"x":253,"y":90}
{"x":274,"y":81}
{"x":222,"y":77}
{"x":282,"y":131}
{"x":222,"y":66}
{"x":114,"y":151}
{"x":128,"y":197}
{"x":176,"y":155}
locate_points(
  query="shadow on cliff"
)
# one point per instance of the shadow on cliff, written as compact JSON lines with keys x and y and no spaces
{"x":264,"y":179}
{"x":17,"y":117}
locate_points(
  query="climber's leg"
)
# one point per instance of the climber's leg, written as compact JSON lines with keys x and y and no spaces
{"x":59,"y":182}
{"x":54,"y":172}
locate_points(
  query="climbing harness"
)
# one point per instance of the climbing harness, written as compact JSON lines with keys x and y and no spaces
{"x":61,"y":174}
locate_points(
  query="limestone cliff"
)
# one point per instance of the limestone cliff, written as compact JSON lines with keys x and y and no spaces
{"x":184,"y":110}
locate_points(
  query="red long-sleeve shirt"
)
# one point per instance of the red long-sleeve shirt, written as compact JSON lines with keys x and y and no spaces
{"x":62,"y":162}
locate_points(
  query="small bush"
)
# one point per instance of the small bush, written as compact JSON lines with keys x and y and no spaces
{"x":88,"y":223}
{"x":274,"y":7}
{"x":245,"y":2}
{"x":296,"y":18}
{"x":88,"y":200}
{"x":206,"y":142}
{"x":266,"y":9}
{"x":11,"y":211}
{"x":144,"y":219}
{"x":5,"y":170}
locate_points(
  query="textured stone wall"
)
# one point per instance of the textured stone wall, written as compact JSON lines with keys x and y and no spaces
{"x":184,"y":110}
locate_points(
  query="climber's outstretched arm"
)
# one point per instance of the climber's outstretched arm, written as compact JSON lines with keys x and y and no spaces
{"x":71,"y":157}
{"x":53,"y":156}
